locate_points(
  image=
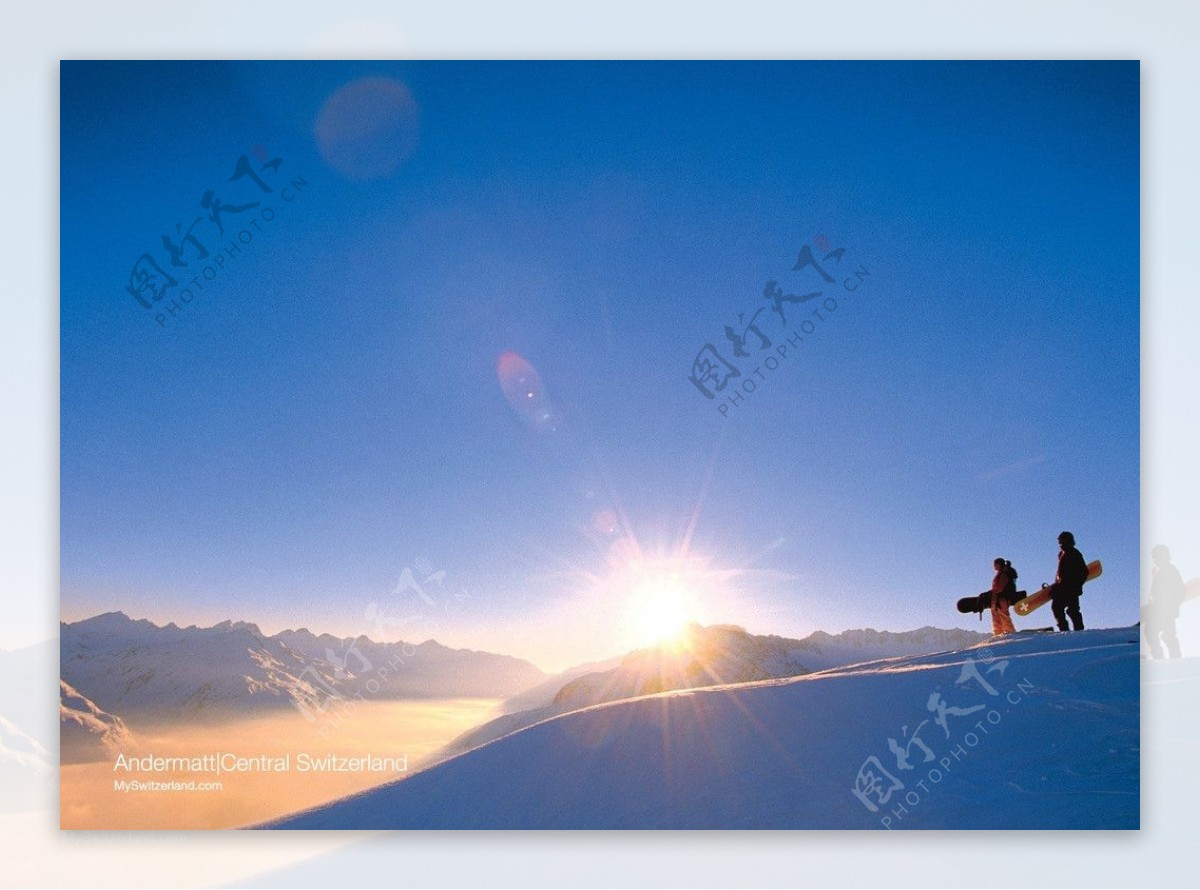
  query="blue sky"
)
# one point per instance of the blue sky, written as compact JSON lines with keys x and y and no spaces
{"x":328,"y":411}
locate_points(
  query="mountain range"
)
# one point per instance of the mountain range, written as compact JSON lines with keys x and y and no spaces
{"x":115,"y":668}
{"x":133,"y":668}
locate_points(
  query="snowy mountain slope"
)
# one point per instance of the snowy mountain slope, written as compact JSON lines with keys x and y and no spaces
{"x":129,"y":667}
{"x":24,"y":766}
{"x":710,"y":656}
{"x":87,"y":733}
{"x":1040,"y":731}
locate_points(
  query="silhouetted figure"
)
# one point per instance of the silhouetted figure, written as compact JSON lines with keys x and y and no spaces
{"x":1004,"y":592}
{"x":1068,"y":584}
{"x":1167,"y":591}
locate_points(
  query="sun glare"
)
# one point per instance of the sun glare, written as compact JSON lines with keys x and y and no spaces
{"x":660,"y":610}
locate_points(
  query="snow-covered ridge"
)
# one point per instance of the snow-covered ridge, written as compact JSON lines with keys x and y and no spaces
{"x":710,"y":656}
{"x":1041,"y":731}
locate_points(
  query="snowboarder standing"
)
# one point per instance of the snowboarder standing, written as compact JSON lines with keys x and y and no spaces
{"x":1167,"y":591}
{"x":1068,"y":584}
{"x":1004,"y":589}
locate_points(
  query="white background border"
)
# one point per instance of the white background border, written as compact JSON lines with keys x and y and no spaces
{"x":1162,"y":35}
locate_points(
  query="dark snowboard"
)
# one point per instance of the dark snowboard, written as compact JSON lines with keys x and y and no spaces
{"x":977,"y":603}
{"x":983,"y":601}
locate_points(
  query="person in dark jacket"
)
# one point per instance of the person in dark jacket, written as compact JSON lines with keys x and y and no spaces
{"x":1167,"y":591}
{"x":1004,"y":592}
{"x":1068,"y":584}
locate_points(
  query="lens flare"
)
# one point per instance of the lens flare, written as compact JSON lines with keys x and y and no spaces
{"x":605,"y":522}
{"x":368,"y":128}
{"x":522,"y":386}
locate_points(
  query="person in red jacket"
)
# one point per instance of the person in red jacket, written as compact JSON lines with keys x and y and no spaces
{"x":1003,"y":592}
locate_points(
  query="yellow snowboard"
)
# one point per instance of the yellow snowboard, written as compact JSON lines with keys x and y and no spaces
{"x":1041,"y":597}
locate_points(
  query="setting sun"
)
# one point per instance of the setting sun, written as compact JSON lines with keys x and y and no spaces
{"x":660,"y":610}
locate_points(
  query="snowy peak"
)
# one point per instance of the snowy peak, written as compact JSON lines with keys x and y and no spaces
{"x":228,"y":625}
{"x":126,"y":667}
{"x":105,"y":622}
{"x":134,"y":667}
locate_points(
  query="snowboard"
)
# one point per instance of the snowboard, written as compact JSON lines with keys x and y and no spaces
{"x":983,"y":601}
{"x":1193,"y":589}
{"x":977,"y":603}
{"x":1039,"y":598}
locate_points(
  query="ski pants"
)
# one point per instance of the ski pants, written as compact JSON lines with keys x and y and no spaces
{"x":1001,"y":620}
{"x":1066,"y":605}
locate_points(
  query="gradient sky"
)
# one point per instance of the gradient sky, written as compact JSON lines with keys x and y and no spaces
{"x":329,"y":412}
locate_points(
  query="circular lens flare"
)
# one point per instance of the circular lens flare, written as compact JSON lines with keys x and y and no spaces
{"x":368,"y":128}
{"x":524,"y":391}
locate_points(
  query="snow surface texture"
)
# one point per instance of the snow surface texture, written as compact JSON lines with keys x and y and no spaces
{"x":1054,"y":744}
{"x":136,"y":668}
{"x":707,"y":656}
